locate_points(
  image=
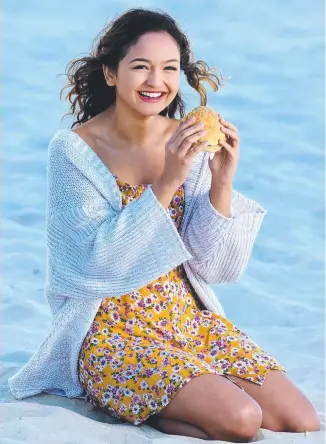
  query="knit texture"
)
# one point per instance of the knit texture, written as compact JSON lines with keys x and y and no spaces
{"x":97,"y":249}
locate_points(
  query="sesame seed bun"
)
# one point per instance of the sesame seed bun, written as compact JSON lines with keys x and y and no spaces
{"x":211,"y":120}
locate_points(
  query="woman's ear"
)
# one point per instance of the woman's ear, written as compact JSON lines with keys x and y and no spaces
{"x":109,"y":76}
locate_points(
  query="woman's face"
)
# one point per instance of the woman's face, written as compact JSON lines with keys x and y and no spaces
{"x":148,"y":77}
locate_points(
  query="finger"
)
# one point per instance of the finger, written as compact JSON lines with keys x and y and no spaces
{"x":188,"y":142}
{"x":185,"y":132}
{"x":181,"y":127}
{"x":229,"y":125}
{"x":230,"y":133}
{"x":195,"y":130}
{"x":229,"y":148}
{"x":196,"y":149}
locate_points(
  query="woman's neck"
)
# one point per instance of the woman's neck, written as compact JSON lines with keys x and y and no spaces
{"x":131,"y":128}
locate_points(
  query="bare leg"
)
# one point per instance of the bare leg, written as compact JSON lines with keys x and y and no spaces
{"x":206,"y":406}
{"x":176,"y":427}
{"x":285,"y":408}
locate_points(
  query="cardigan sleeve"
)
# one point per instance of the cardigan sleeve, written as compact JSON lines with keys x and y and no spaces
{"x":95,"y":251}
{"x":221,"y":246}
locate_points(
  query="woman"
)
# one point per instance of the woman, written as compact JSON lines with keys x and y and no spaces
{"x":138,"y":225}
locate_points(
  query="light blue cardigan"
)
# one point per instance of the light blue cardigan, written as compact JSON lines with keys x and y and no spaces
{"x":96,"y":249}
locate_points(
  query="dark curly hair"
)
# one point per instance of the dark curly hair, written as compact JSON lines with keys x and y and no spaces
{"x":89,"y":93}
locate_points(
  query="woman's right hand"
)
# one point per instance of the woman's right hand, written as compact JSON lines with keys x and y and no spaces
{"x":179,"y":155}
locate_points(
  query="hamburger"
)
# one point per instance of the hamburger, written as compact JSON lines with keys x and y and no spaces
{"x":212,"y":123}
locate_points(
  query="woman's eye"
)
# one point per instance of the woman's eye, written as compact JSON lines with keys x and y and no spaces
{"x":173,"y":68}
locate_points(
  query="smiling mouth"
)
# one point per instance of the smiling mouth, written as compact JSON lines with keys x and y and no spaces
{"x":151,"y":96}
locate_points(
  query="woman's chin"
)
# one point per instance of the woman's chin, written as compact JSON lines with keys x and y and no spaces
{"x":149,"y":111}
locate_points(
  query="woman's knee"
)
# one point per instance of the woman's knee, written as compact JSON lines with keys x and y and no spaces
{"x":241,"y":424}
{"x":220,"y":409}
{"x":304,"y":418}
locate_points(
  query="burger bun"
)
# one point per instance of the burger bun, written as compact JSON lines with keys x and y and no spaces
{"x":212,"y":124}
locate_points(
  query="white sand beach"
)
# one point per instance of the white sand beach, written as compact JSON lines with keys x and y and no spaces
{"x":58,"y":420}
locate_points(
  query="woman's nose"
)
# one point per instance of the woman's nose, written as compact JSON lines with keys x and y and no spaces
{"x":155,"y":78}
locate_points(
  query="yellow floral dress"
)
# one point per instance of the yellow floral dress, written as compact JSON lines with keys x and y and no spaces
{"x":144,"y":346}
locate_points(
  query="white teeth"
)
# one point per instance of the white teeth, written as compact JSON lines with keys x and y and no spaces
{"x":154,"y":95}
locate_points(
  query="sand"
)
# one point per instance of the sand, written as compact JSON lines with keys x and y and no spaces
{"x":59,"y":420}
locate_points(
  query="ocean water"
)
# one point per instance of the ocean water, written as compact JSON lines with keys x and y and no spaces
{"x":273,"y":54}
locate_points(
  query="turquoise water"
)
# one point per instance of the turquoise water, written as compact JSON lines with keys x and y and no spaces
{"x":273,"y":52}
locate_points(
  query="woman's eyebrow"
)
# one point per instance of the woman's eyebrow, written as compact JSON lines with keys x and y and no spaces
{"x":139,"y":59}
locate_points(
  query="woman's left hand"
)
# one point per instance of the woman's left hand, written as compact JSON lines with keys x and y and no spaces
{"x":225,"y":161}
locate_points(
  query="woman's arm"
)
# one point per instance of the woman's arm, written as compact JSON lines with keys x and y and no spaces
{"x":221,"y":246}
{"x":221,"y":198}
{"x":224,"y":226}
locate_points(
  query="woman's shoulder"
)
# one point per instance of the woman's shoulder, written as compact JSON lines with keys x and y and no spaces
{"x":63,"y":137}
{"x":172,"y":121}
{"x":73,"y":134}
{"x":69,"y":145}
{"x":170,"y":125}
{"x":70,"y":138}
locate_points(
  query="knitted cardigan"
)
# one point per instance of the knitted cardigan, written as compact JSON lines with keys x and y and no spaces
{"x":97,"y":249}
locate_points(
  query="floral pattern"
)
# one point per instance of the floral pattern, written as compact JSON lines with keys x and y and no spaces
{"x":145,"y":345}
